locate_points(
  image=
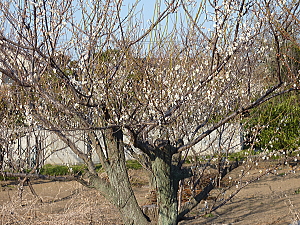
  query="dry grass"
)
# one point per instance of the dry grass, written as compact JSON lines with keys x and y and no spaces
{"x":274,"y":199}
{"x":63,"y":203}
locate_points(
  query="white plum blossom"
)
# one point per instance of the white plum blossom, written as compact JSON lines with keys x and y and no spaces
{"x":177,"y":67}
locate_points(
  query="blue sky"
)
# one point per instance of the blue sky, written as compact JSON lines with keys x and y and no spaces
{"x":147,"y":6}
{"x":147,"y":9}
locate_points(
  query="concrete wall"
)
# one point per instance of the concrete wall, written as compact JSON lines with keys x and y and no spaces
{"x":41,"y":146}
{"x":226,"y":139}
{"x":44,"y":146}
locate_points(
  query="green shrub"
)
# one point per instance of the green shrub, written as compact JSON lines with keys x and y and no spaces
{"x":208,"y":215}
{"x":98,"y":167}
{"x":77,"y":169}
{"x":8,"y":178}
{"x":60,"y":170}
{"x":241,"y":155}
{"x":133,"y":164}
{"x":276,"y":124}
{"x":54,"y":170}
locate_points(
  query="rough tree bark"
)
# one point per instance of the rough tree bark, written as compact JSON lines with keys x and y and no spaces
{"x":167,"y":175}
{"x":166,"y":184}
{"x":123,"y":196}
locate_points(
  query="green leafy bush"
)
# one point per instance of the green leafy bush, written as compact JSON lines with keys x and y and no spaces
{"x":275,"y":125}
{"x":133,"y":164}
{"x":98,"y":167}
{"x":54,"y":170}
{"x":241,"y":155}
{"x":7,"y":178}
{"x":60,"y":170}
{"x":77,"y":169}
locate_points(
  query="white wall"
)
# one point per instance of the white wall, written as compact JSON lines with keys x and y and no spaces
{"x":53,"y":151}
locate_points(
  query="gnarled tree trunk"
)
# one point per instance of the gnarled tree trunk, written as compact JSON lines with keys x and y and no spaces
{"x":123,"y":196}
{"x":167,"y":176}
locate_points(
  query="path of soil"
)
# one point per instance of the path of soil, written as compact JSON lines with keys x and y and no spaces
{"x":274,"y":199}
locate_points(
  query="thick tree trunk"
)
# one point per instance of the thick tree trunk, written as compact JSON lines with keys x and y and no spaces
{"x":124,"y":197}
{"x":166,"y":185}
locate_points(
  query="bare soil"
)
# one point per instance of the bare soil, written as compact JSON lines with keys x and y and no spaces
{"x":273,"y":199}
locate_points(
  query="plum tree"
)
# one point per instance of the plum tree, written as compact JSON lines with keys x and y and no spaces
{"x":166,"y":84}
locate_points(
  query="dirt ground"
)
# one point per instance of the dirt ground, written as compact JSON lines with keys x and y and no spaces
{"x":273,"y":199}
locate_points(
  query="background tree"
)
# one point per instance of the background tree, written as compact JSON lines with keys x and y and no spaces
{"x":275,"y":124}
{"x":13,"y":127}
{"x":85,"y":66}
